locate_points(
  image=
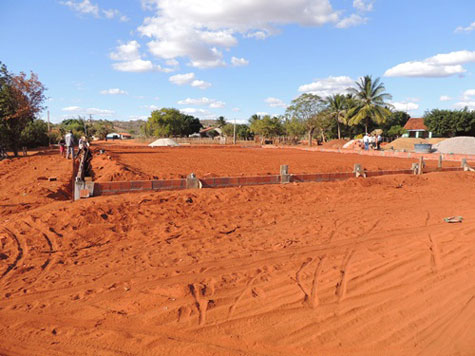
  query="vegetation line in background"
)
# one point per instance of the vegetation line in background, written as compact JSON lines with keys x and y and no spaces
{"x":362,"y":110}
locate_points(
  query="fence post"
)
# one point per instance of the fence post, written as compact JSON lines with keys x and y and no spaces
{"x":359,"y":171}
{"x":284,"y":174}
{"x":439,"y":164}
{"x":192,"y":182}
{"x":415,"y":168}
{"x":421,"y":165}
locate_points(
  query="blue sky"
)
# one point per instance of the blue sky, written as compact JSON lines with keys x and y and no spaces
{"x":122,"y":59}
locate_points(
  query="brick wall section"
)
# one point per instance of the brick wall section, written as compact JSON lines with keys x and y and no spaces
{"x":111,"y":188}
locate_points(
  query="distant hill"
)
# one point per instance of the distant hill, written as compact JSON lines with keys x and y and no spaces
{"x":132,"y":127}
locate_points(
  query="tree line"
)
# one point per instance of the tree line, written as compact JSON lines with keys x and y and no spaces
{"x":364,"y":108}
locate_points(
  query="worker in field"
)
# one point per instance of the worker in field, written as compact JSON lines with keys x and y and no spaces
{"x":69,"y":140}
{"x":62,"y":145}
{"x":83,"y":143}
{"x":366,"y":142}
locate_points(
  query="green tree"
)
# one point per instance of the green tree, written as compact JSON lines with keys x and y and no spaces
{"x":396,"y":131}
{"x":397,"y":118}
{"x":35,"y":134}
{"x":337,"y":108}
{"x":21,"y":99}
{"x":306,"y":109}
{"x":294,"y":128}
{"x":169,"y":122}
{"x":221,"y":121}
{"x":370,"y":99}
{"x":101,"y":128}
{"x":266,"y":126}
{"x":243,"y":131}
{"x":449,"y":123}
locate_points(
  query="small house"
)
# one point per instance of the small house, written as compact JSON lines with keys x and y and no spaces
{"x":415,"y":127}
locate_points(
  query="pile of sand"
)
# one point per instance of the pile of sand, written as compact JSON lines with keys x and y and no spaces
{"x":163,"y":142}
{"x":338,"y":143}
{"x":407,"y":143}
{"x":353,"y":145}
{"x":460,"y":145}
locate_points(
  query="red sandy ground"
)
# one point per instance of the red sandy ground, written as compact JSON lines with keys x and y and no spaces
{"x":128,"y":163}
{"x":360,"y":267}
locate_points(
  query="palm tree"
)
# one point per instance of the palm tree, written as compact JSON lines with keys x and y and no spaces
{"x":221,"y":121}
{"x":337,"y":109}
{"x":370,"y":104}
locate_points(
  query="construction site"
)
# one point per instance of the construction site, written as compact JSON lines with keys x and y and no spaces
{"x":223,"y":250}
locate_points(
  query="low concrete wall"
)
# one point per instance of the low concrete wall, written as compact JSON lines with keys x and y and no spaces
{"x":110,"y":188}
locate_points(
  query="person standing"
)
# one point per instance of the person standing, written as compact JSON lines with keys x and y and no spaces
{"x":61,"y":144}
{"x":366,"y":142}
{"x":379,"y":139}
{"x":83,"y":143}
{"x":69,"y":140}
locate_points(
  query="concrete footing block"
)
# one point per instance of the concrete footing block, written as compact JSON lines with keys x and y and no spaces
{"x":192,"y":182}
{"x":284,"y":174}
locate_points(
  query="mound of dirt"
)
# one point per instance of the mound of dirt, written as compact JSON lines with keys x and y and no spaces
{"x":335,"y":143}
{"x":460,"y":145}
{"x":407,"y":143}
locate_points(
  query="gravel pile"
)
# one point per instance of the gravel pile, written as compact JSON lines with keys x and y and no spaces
{"x":460,"y":145}
{"x":407,"y":143}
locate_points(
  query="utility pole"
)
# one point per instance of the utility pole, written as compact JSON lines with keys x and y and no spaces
{"x":90,"y":121}
{"x":234,"y":134}
{"x":48,"y":122}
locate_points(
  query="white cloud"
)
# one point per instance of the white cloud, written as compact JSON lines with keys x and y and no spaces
{"x":181,"y":79}
{"x":126,"y":52}
{"x":211,"y":103}
{"x":189,"y":78}
{"x":445,"y":98}
{"x":86,"y":7}
{"x":469,"y":94}
{"x":236,"y":109}
{"x":239,"y":62}
{"x":362,"y":5}
{"x":200,"y":30}
{"x":440,"y":65}
{"x":469,"y":28}
{"x":89,"y":111}
{"x":353,"y":20}
{"x":262,"y":113}
{"x":152,"y":107}
{"x":172,"y":62}
{"x":465,"y":104}
{"x":114,"y":91}
{"x":71,"y":108}
{"x":137,"y":65}
{"x":110,"y":14}
{"x":200,"y":84}
{"x":275,"y":103}
{"x":138,"y":117}
{"x":202,"y":113}
{"x":404,"y":105}
{"x":102,"y":112}
{"x":129,"y":59}
{"x":328,"y":86}
{"x":83,"y":7}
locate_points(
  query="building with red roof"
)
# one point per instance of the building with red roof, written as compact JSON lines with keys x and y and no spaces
{"x":416,"y":128}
